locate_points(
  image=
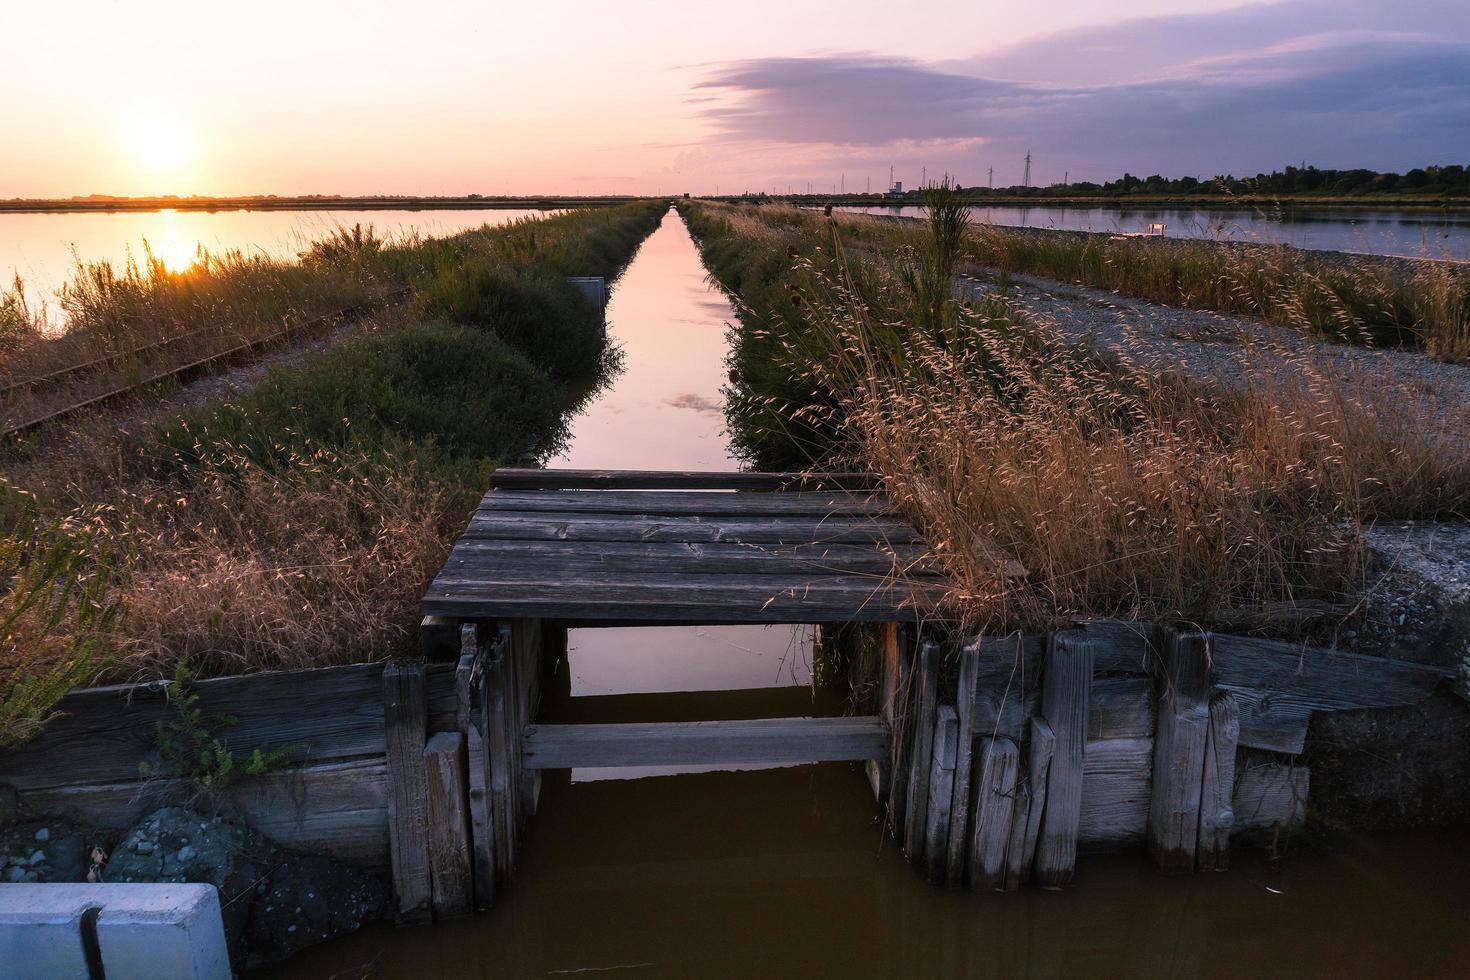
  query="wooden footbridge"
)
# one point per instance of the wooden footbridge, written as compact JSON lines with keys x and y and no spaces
{"x":995,"y":757}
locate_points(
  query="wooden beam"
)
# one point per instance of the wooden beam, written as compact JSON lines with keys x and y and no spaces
{"x":405,"y":721}
{"x":510,"y":478}
{"x":995,"y":804}
{"x":451,"y":869}
{"x":689,"y":502}
{"x":1065,"y":697}
{"x":941,"y":786}
{"x":1179,"y":749}
{"x":789,"y":741}
{"x":924,"y":713}
{"x":1217,"y":792}
{"x":1030,"y":803}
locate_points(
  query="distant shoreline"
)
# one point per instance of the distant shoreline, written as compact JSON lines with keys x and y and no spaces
{"x":1215,"y":202}
{"x":122,"y":204}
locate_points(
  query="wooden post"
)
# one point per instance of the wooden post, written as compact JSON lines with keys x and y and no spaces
{"x":1065,"y":691}
{"x":880,"y":771}
{"x":405,"y":724}
{"x":902,"y":726}
{"x":995,"y":805}
{"x":941,"y":787}
{"x":922,"y":720}
{"x":498,"y":738}
{"x":469,"y":683}
{"x":1217,"y":791}
{"x":959,"y":814}
{"x":450,"y":867}
{"x":1030,"y":803}
{"x":1183,"y":685}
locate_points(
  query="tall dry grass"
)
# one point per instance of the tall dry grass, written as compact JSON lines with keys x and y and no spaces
{"x":1124,"y":490}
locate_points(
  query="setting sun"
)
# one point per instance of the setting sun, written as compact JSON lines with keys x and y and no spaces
{"x":159,"y":141}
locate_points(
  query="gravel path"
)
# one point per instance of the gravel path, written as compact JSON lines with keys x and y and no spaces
{"x":1233,"y":349}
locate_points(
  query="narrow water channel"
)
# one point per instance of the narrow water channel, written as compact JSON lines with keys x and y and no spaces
{"x":785,"y":872}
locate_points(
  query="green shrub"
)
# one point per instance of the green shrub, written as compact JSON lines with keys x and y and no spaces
{"x":542,"y":315}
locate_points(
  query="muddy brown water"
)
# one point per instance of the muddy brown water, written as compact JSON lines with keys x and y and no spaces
{"x":785,"y":872}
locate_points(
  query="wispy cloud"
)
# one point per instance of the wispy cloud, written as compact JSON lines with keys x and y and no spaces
{"x":1247,"y":89}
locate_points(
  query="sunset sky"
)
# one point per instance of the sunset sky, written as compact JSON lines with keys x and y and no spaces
{"x":650,"y":96}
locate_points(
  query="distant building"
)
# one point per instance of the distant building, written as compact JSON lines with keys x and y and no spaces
{"x":896,"y":190}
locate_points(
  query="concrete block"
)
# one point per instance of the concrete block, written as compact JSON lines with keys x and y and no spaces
{"x":144,"y":931}
{"x":40,"y":938}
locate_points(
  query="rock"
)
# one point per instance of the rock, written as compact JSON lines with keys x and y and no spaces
{"x":16,"y":874}
{"x":1417,"y":597}
{"x":311,"y":898}
{"x":220,"y":850}
{"x":62,"y":860}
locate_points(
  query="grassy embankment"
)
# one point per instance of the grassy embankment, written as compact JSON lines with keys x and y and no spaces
{"x":298,"y":525}
{"x":1123,"y":493}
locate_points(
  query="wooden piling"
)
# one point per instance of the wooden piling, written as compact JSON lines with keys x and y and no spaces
{"x":1217,"y":791}
{"x":959,"y":816}
{"x":1183,"y":686}
{"x":1030,"y":802}
{"x":922,"y":720}
{"x":469,"y":683}
{"x":405,"y":722}
{"x":995,"y":804}
{"x":1065,"y":693}
{"x":451,"y":870}
{"x":499,"y":736}
{"x":901,"y":657}
{"x":941,"y":787}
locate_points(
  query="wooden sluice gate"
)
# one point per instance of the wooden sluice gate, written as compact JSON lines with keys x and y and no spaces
{"x":996,"y":758}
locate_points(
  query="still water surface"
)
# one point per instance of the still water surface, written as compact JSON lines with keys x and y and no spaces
{"x":1435,"y":234}
{"x":785,"y":872}
{"x":43,"y":248}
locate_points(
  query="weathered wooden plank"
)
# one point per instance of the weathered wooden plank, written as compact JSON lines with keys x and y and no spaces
{"x":1065,"y":698}
{"x":573,"y":558}
{"x":1120,"y":647}
{"x":509,"y":478}
{"x":339,"y":809}
{"x":1270,"y":723}
{"x":1217,"y":791}
{"x":1117,"y":781}
{"x":924,"y":713}
{"x":700,"y":503}
{"x":941,"y":786}
{"x":450,"y":866}
{"x":959,"y":807}
{"x":405,"y":718}
{"x":103,"y":733}
{"x":562,"y":526}
{"x":1179,"y":749}
{"x":995,"y":805}
{"x":1121,"y":707}
{"x":1320,"y":679}
{"x":762,"y":740}
{"x":774,"y":600}
{"x":1029,"y":805}
{"x":1270,"y":798}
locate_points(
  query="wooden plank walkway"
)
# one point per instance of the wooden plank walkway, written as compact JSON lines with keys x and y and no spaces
{"x":627,"y":546}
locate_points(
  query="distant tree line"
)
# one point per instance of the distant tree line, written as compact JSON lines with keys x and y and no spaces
{"x":1448,"y":181}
